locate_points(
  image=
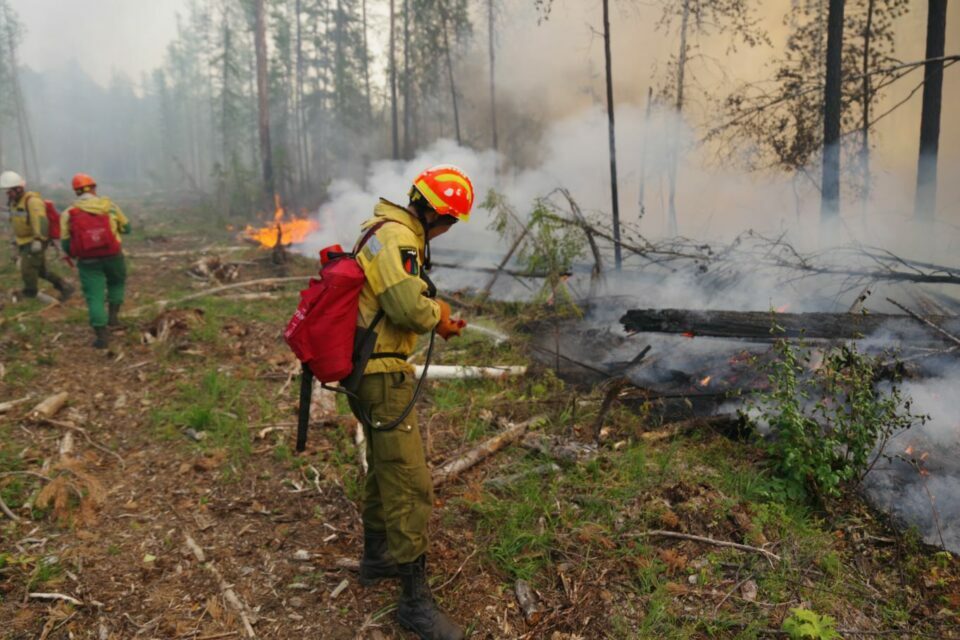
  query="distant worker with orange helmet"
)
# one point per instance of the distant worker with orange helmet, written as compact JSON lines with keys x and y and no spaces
{"x":398,"y":300}
{"x":32,"y":234}
{"x":91,"y":230}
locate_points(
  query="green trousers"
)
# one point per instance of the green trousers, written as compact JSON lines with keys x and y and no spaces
{"x":33,"y":266}
{"x":398,"y":494}
{"x":99,"y":277}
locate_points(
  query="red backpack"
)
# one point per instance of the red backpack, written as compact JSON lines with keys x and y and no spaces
{"x":323,"y":330}
{"x":91,"y":235}
{"x":53,"y":220}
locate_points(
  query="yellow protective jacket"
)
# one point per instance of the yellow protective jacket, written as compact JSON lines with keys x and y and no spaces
{"x":29,"y":219}
{"x":392,"y":260}
{"x":99,"y":206}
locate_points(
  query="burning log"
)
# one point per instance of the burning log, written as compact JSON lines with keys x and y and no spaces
{"x":759,"y":325}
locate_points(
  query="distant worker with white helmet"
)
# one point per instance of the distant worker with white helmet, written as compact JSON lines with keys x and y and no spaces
{"x":92,"y":227}
{"x":35,"y":222}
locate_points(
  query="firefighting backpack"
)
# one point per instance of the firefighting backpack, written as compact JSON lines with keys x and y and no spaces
{"x":91,"y":235}
{"x":53,"y":220}
{"x":323,"y":335}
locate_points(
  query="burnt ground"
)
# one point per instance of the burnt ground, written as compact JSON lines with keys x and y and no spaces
{"x":106,"y":522}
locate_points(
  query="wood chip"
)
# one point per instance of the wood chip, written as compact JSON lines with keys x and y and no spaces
{"x":340,"y":587}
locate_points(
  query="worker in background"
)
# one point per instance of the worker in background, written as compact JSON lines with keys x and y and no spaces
{"x":31,"y":231}
{"x":91,"y":230}
{"x":398,"y":494}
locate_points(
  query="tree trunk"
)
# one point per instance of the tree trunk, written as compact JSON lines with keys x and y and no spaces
{"x":263,"y":102}
{"x":449,"y":58}
{"x":833,"y":88}
{"x":393,"y":84}
{"x":617,"y":255}
{"x":674,"y":150}
{"x":366,"y":64}
{"x":407,"y":82}
{"x":298,"y":107}
{"x":926,"y":198}
{"x":866,"y":100}
{"x":493,"y":66}
{"x":643,"y":156}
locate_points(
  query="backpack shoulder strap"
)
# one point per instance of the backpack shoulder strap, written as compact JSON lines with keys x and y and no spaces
{"x":369,"y":234}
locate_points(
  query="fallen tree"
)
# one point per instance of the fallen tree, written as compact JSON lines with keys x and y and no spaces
{"x":768,"y":325}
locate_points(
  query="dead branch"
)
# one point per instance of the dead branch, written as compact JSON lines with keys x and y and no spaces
{"x":614,"y":387}
{"x":55,"y":596}
{"x":7,"y":512}
{"x":185,"y":252}
{"x":226,"y":287}
{"x":86,"y":436}
{"x":717,"y":543}
{"x":503,"y":263}
{"x":234,"y":601}
{"x":453,"y":468}
{"x":10,"y":404}
{"x":949,"y":336}
{"x":597,"y":271}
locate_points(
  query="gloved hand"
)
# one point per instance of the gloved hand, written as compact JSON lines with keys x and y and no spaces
{"x":36,"y":246}
{"x":448,"y":327}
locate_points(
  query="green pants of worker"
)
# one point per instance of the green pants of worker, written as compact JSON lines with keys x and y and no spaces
{"x":398,"y":494}
{"x":33,"y":266}
{"x":101,"y":277}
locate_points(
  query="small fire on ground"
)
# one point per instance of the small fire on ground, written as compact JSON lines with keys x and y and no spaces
{"x":287,"y":229}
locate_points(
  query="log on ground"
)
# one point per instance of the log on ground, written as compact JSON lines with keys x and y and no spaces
{"x":759,"y":325}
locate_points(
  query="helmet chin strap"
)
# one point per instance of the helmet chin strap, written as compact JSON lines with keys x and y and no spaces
{"x":427,"y":226}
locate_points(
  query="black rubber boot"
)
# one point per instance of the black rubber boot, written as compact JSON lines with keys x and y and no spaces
{"x":66,"y":290}
{"x":376,"y":562}
{"x":101,"y":340}
{"x":114,"y":317}
{"x":417,"y":611}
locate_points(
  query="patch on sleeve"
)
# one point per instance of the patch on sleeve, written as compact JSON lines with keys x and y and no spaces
{"x":372,"y":248}
{"x":410,"y":261}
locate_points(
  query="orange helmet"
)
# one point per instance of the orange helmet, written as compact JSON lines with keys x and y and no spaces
{"x":82,"y":180}
{"x":448,"y":190}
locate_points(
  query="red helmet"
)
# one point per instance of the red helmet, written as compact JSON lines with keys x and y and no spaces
{"x":82,"y":180}
{"x":448,"y":190}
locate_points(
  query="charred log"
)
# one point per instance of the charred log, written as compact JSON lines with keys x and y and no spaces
{"x":766,"y":325}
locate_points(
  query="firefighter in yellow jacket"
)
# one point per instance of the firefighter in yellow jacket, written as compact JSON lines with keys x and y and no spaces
{"x":398,"y":494}
{"x":28,"y":215}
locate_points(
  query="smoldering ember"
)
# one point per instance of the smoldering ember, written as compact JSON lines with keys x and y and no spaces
{"x":540,"y":319}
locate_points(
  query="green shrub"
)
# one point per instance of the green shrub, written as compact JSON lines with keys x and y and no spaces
{"x":830,"y":425}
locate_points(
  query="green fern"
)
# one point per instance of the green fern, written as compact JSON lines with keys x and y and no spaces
{"x":804,"y":624}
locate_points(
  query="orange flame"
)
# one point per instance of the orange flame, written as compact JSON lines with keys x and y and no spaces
{"x":289,"y":231}
{"x":705,"y":381}
{"x":783,"y":308}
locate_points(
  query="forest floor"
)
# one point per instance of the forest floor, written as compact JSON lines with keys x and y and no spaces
{"x":107,"y":521}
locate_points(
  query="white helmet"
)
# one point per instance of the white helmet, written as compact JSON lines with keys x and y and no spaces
{"x":11,"y":179}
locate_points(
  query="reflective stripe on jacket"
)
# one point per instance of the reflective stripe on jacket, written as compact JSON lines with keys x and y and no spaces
{"x":392,"y":260}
